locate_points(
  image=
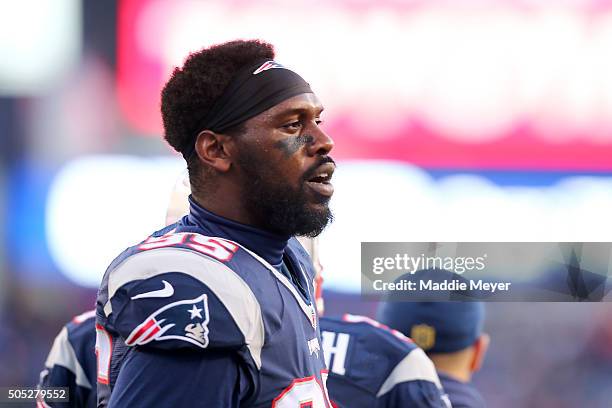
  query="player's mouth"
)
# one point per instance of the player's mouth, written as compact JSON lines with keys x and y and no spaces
{"x":320,"y":180}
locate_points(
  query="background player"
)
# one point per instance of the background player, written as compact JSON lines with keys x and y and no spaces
{"x":225,"y":296}
{"x":451,"y":335}
{"x":72,"y":363}
{"x":371,"y":365}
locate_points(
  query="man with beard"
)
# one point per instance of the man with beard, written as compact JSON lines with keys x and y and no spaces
{"x":217,"y":310}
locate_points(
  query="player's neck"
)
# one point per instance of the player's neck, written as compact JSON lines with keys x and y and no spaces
{"x":454,"y":366}
{"x":224,"y":207}
{"x":266,"y":244}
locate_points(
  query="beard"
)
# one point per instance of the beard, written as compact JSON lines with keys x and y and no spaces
{"x":278,"y":206}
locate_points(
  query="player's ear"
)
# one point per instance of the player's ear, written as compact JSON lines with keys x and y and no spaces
{"x":480,"y":350}
{"x":213,"y":149}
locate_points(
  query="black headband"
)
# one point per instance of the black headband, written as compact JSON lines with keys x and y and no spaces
{"x":253,"y":90}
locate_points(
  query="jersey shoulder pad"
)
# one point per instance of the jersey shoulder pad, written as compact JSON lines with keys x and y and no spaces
{"x":411,"y":362}
{"x":82,"y":337}
{"x":73,"y":350}
{"x":81,"y":325}
{"x":373,"y":333}
{"x":176,"y":292}
{"x":415,"y":366}
{"x":374,"y":356}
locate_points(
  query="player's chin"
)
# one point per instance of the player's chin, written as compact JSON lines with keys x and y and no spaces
{"x":318,"y":210}
{"x":316,"y":197}
{"x":318,"y":204}
{"x":315,"y":218}
{"x":318,"y":207}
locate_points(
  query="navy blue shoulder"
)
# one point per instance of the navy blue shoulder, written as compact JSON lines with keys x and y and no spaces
{"x":82,"y":326}
{"x":371,"y":334}
{"x":82,"y":337}
{"x":72,"y":361}
{"x":368,"y":361}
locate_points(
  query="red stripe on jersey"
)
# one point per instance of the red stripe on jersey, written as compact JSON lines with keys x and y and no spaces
{"x":134,"y":337}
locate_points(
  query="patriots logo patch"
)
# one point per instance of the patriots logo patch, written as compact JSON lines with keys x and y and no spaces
{"x":266,"y":66}
{"x":185,"y":320}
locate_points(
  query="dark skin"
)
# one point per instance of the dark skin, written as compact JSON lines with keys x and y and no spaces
{"x":290,"y":146}
{"x":288,"y":139}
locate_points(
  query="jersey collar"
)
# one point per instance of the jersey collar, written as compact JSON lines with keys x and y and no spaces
{"x":267,"y":245}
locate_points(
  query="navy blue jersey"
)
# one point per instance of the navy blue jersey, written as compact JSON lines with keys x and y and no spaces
{"x":462,"y":395}
{"x":373,"y":366}
{"x":72,"y":363}
{"x":198,"y":314}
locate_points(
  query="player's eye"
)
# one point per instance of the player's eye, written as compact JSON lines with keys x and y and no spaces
{"x":293,"y":125}
{"x":319,"y":122}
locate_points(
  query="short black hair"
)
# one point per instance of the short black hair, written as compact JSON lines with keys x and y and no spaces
{"x":193,"y":89}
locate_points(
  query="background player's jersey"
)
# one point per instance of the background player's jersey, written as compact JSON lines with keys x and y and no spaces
{"x":72,"y":363}
{"x":461,"y":395}
{"x":188,"y":318}
{"x":372,"y":366}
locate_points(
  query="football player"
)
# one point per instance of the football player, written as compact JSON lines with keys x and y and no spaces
{"x":371,"y":365}
{"x":72,"y":363}
{"x":217,"y":310}
{"x":451,"y":335}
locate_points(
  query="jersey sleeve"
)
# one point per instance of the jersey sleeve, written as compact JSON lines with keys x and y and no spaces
{"x":152,"y":378}
{"x":413,"y":383}
{"x":175,"y":299}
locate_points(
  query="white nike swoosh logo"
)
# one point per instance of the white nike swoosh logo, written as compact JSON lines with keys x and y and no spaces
{"x":167,"y":291}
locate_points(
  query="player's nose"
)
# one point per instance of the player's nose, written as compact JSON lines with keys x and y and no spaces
{"x":322,"y":144}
